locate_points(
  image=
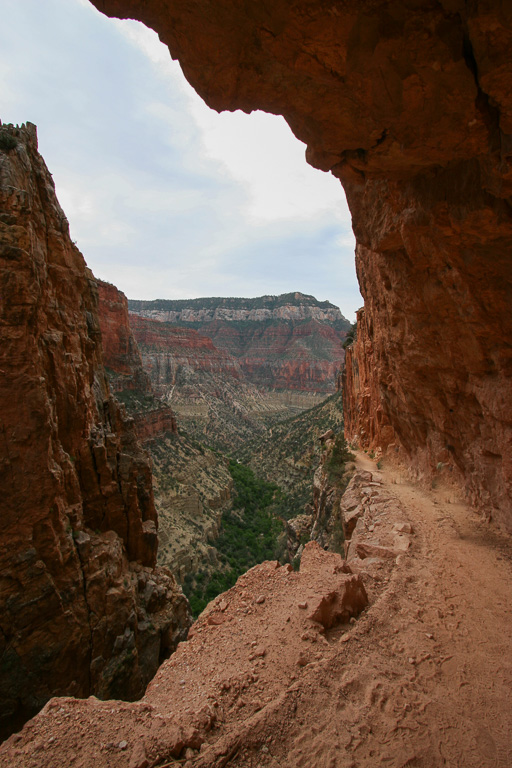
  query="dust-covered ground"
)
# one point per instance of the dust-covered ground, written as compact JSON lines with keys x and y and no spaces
{"x":279,"y":672}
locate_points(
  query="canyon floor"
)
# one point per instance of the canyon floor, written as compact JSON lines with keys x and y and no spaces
{"x":422,"y":678}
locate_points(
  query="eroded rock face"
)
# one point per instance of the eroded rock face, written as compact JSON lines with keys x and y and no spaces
{"x":120,"y":351}
{"x":289,"y":342}
{"x":125,"y":371}
{"x":78,"y":532}
{"x":410,"y":105}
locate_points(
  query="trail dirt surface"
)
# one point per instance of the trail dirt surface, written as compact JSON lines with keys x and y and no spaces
{"x":280,"y":672}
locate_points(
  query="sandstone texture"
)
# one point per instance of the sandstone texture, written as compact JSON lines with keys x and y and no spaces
{"x":282,"y":670}
{"x":82,"y":609}
{"x":410,"y":105}
{"x":287,"y":342}
{"x":124,"y":367}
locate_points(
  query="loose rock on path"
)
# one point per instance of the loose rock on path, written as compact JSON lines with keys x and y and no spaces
{"x":284,"y":671}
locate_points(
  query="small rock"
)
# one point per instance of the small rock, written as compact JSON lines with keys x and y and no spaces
{"x":260,"y":599}
{"x":123,"y":744}
{"x":139,"y":758}
{"x":303,"y":605}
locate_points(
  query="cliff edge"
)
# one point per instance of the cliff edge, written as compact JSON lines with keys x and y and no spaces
{"x":83,"y":610}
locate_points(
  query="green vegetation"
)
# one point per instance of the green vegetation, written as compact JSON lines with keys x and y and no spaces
{"x":136,"y":401}
{"x":249,"y":535}
{"x":340,"y":456}
{"x":231,"y":302}
{"x":291,"y":453}
{"x":7,"y":141}
{"x":351,"y":335}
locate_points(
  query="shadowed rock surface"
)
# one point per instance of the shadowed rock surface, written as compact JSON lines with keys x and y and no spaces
{"x":82,"y":608}
{"x":410,"y":105}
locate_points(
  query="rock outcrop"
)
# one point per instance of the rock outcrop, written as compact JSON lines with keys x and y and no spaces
{"x":82,"y":609}
{"x":124,"y":367}
{"x":411,"y":107}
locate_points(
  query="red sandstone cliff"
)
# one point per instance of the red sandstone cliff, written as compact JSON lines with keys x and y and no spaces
{"x":166,"y":349}
{"x":410,"y":105}
{"x":287,"y":350}
{"x":82,"y":609}
{"x":120,"y":351}
{"x":124,"y":366}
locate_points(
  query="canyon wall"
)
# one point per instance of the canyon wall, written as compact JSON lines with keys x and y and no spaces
{"x":167,"y":349}
{"x":82,"y":608}
{"x":287,"y":342}
{"x":124,"y":367}
{"x":410,"y":106}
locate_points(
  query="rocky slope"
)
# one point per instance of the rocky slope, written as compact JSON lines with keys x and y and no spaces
{"x":411,"y":107}
{"x":82,"y":608}
{"x":291,"y":451}
{"x":287,"y":342}
{"x":191,"y":484}
{"x":192,"y":487}
{"x":210,"y":393}
{"x":277,"y":674}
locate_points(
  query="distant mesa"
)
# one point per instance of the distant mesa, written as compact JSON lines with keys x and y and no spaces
{"x":287,"y":342}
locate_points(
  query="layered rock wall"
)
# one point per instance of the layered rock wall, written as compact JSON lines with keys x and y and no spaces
{"x":124,"y":366}
{"x":82,"y":609}
{"x":278,"y":352}
{"x":410,"y":105}
{"x":166,"y":350}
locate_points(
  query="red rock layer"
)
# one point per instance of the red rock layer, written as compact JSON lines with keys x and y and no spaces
{"x":410,"y":105}
{"x":120,"y":351}
{"x":78,"y":614}
{"x":166,"y":349}
{"x":151,"y":424}
{"x":281,"y":355}
{"x":124,"y":363}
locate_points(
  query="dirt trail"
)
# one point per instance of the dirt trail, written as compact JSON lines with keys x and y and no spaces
{"x":422,"y":679}
{"x":428,"y":681}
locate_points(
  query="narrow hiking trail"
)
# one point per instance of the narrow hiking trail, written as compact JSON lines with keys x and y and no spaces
{"x":423,"y":678}
{"x":437,"y":654}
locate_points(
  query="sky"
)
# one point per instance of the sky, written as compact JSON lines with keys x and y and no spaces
{"x":165,"y":197}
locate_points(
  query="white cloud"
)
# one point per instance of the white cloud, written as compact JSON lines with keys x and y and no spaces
{"x":165,"y":197}
{"x":257,"y":151}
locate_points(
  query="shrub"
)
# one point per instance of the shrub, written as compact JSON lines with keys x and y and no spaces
{"x":7,"y":142}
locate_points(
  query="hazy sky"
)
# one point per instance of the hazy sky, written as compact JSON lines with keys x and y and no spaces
{"x":165,"y":197}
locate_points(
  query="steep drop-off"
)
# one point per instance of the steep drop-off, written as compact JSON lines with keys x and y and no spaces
{"x":82,"y":609}
{"x":288,"y":342}
{"x":213,"y":398}
{"x":191,"y":484}
{"x":410,"y":105}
